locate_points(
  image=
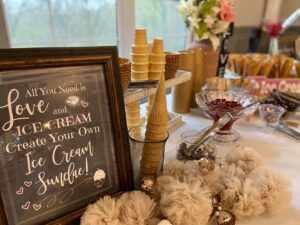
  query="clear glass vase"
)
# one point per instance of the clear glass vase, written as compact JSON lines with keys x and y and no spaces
{"x":138,"y":144}
{"x":274,"y":46}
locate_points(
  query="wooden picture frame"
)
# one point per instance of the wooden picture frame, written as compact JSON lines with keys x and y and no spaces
{"x":23,"y":62}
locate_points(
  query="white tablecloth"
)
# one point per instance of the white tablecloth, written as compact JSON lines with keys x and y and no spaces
{"x":279,"y":152}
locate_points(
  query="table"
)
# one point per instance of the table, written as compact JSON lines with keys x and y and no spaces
{"x":279,"y":152}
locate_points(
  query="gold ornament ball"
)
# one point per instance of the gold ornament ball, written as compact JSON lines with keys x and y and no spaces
{"x":225,"y":217}
{"x":216,"y":200}
{"x":209,"y":149}
{"x":147,"y":183}
{"x":206,"y":166}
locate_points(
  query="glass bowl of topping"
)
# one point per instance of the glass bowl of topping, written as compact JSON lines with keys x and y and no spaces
{"x":270,"y":114}
{"x":217,"y":103}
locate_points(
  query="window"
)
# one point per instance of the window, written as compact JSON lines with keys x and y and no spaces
{"x":41,"y":23}
{"x":34,"y":23}
{"x":161,"y":18}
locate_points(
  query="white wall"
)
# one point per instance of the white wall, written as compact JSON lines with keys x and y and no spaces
{"x":249,"y":12}
{"x":273,"y":10}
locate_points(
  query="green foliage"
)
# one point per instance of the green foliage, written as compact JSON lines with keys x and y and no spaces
{"x":161,"y":18}
{"x":206,"y":7}
{"x":38,"y":23}
{"x":201,"y":30}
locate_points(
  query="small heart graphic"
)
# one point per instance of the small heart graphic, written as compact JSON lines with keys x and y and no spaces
{"x":28,"y":183}
{"x":20,"y":191}
{"x":36,"y":207}
{"x":84,"y":104}
{"x":26,"y":205}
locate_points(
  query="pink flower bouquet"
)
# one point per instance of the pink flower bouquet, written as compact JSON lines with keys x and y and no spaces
{"x":208,"y":19}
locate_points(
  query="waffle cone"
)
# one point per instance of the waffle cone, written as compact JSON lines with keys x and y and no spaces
{"x":155,"y":75}
{"x":276,"y":67}
{"x":133,"y":122}
{"x":157,"y":58}
{"x":275,"y":72}
{"x":139,"y":67}
{"x":157,"y":46}
{"x":133,"y":116}
{"x":151,"y":99}
{"x":239,"y":65}
{"x":151,"y":158}
{"x":136,"y":134}
{"x":132,"y":109}
{"x":139,"y":49}
{"x":133,"y":106}
{"x":139,"y":75}
{"x":157,"y":67}
{"x":139,"y":58}
{"x":158,"y":116}
{"x":286,"y":67}
{"x":156,"y":135}
{"x":266,"y":68}
{"x":298,"y":68}
{"x":140,"y":36}
{"x":252,"y":68}
{"x":156,"y":130}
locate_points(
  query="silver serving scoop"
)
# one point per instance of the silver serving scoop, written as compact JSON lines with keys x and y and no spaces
{"x":226,"y":118}
{"x":288,"y":131}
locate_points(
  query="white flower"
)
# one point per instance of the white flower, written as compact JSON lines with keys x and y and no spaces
{"x":183,"y":9}
{"x":215,"y":40}
{"x":220,"y":27}
{"x":194,"y":21}
{"x":209,"y":21}
{"x":215,"y":10}
{"x":187,"y":8}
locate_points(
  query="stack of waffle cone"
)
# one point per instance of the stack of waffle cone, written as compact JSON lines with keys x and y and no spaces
{"x":157,"y":59}
{"x":140,"y":55}
{"x":156,"y":131}
{"x":133,"y":116}
{"x":182,"y":93}
{"x":139,"y":71}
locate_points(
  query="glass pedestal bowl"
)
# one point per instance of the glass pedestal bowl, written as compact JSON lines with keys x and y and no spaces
{"x":217,"y":103}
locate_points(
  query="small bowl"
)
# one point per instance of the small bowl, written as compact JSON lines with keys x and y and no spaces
{"x":270,"y":114}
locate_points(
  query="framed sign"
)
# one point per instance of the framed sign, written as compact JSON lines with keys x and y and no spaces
{"x":63,"y":134}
